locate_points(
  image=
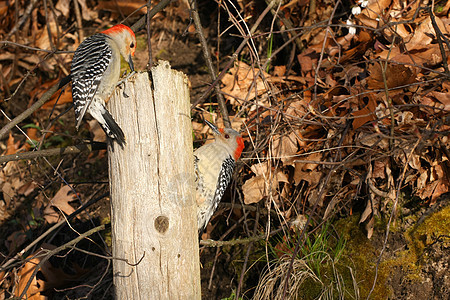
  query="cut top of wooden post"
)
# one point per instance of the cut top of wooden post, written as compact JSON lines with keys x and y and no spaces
{"x":152,"y":189}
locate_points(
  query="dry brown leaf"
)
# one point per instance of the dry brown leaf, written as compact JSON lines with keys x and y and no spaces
{"x":87,"y":13}
{"x":424,"y":34}
{"x":15,"y":240}
{"x":258,"y":187}
{"x":36,"y":287}
{"x":61,"y":201}
{"x":443,"y":98}
{"x":367,"y":212}
{"x":11,"y":146}
{"x":32,"y":134}
{"x":238,"y":81}
{"x":51,"y":277}
{"x":430,"y":55}
{"x":126,"y":7}
{"x":260,"y":168}
{"x":396,"y":75}
{"x":254,"y":189}
{"x":442,"y":187}
{"x":97,"y":131}
{"x":62,"y":98}
{"x":63,"y":6}
{"x":285,"y":147}
{"x":309,"y":162}
{"x":375,"y":8}
{"x":370,"y":226}
{"x":378,"y":169}
{"x":365,"y":114}
{"x":42,"y":40}
{"x":312,"y":177}
{"x":279,"y":70}
{"x":307,"y":59}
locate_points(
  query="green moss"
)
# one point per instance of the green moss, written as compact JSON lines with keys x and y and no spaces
{"x":361,"y":256}
{"x":141,"y":41}
{"x":422,"y":236}
{"x":435,"y":225}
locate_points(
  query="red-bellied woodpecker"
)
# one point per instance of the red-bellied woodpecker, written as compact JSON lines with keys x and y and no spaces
{"x":214,"y":165}
{"x":95,"y":72}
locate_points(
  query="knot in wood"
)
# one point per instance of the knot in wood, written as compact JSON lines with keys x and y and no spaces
{"x":162,"y":224}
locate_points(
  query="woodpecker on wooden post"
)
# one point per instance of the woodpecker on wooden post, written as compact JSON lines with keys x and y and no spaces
{"x":95,"y":72}
{"x":213,"y":165}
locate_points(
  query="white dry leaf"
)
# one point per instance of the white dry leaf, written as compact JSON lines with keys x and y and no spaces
{"x":356,"y":10}
{"x":299,"y":223}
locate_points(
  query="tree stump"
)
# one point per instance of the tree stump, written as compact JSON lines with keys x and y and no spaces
{"x":154,"y":218}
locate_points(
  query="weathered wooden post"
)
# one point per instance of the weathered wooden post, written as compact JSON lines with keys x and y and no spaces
{"x":152,"y":195}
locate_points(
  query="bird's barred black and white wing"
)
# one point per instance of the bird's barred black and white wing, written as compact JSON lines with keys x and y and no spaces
{"x":224,"y":179}
{"x":90,"y":61}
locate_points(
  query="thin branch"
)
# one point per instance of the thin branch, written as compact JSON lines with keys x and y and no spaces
{"x":149,"y":35}
{"x":440,"y":37}
{"x":247,"y":255}
{"x":76,"y":5}
{"x":24,"y":18}
{"x":25,"y":114}
{"x":211,"y":69}
{"x":52,"y":152}
{"x":157,"y":8}
{"x":212,"y":243}
{"x":235,"y":55}
{"x":57,"y":250}
{"x":51,"y":229}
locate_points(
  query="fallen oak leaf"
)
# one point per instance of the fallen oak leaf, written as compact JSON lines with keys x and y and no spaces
{"x":261,"y":186}
{"x":61,"y":201}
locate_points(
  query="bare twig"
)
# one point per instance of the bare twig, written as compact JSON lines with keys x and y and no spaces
{"x":76,"y":5}
{"x":391,"y":218}
{"x":52,"y":152}
{"x":49,"y":32}
{"x":149,"y":35}
{"x":25,"y":114}
{"x":235,"y":55}
{"x":157,"y":8}
{"x":207,"y":56}
{"x":9,"y":43}
{"x":249,"y":248}
{"x":24,"y":18}
{"x":57,"y":250}
{"x":440,"y":37}
{"x":51,"y":229}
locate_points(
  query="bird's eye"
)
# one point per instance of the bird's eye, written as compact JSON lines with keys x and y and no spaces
{"x":227,"y":136}
{"x":132,"y":45}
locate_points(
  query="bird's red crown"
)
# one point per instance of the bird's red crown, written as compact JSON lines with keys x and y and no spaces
{"x":117,"y":29}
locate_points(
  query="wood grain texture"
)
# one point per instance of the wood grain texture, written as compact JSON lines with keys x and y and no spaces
{"x":152,"y":190}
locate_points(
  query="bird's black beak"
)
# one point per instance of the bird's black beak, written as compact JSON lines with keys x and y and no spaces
{"x":213,"y":127}
{"x":130,"y":63}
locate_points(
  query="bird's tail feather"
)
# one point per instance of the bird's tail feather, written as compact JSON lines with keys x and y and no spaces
{"x":112,"y":129}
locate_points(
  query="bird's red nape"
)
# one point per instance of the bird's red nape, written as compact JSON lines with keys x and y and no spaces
{"x":239,"y":148}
